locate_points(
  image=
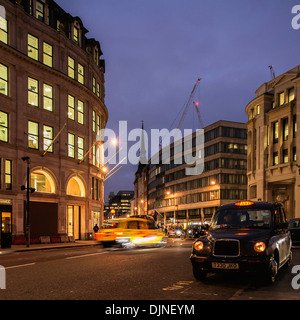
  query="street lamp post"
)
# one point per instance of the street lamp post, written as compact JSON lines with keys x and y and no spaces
{"x":28,"y":189}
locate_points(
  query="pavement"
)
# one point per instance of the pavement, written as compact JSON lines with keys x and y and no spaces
{"x":77,"y":243}
{"x":32,"y":247}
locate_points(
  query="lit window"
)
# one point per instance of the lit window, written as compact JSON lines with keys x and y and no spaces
{"x":285,"y":125}
{"x":47,"y":138}
{"x":80,"y":112}
{"x":48,"y":54}
{"x":33,"y":92}
{"x":80,"y":148}
{"x":258,"y":109}
{"x":94,"y":85}
{"x":80,"y":73}
{"x":294,"y":125}
{"x":285,"y":157}
{"x":275,"y":158}
{"x":39,"y":11}
{"x":76,"y":187}
{"x":3,"y":30}
{"x":94,"y":121}
{"x":71,"y":67}
{"x":291,"y":94}
{"x":71,"y":107}
{"x":3,"y":79}
{"x":281,"y":98}
{"x":41,"y":181}
{"x":98,"y":124}
{"x":98,"y":90}
{"x":294,"y":154}
{"x":48,"y":97}
{"x":76,"y":35}
{"x":33,"y":47}
{"x":33,"y":135}
{"x":3,"y":126}
{"x":71,"y":145}
{"x":94,"y":155}
{"x":8,"y":174}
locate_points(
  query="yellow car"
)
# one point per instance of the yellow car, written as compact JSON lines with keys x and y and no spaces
{"x":130,"y":233}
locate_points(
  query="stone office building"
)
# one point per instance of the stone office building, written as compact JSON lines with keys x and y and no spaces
{"x":274,"y":142}
{"x":51,"y":108}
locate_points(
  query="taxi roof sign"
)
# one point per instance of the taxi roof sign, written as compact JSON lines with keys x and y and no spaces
{"x":244,"y":203}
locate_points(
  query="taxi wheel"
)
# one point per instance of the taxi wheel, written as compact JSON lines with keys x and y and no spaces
{"x":199,"y":274}
{"x":271,"y":277}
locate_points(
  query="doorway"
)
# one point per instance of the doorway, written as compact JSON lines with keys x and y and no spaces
{"x":73,"y":221}
{"x":6,"y":228}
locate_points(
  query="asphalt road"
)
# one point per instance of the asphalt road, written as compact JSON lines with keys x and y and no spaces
{"x":95,"y":273}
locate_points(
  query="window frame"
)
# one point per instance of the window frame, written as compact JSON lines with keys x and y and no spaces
{"x":31,"y":91}
{"x":6,"y":128}
{"x":71,"y":145}
{"x":35,"y":50}
{"x":46,"y":55}
{"x":33,"y":135}
{"x":4,"y":80}
{"x":48,"y":139}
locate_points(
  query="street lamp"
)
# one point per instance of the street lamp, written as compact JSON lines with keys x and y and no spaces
{"x":27,"y":217}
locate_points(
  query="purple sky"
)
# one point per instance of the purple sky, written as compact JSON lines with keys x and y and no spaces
{"x":155,"y":50}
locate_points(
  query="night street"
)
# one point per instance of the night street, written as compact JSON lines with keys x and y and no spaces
{"x":96,"y":273}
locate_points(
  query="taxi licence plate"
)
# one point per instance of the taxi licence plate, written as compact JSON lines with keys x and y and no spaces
{"x":229,"y":266}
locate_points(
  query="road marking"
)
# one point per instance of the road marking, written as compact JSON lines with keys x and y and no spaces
{"x":86,"y":255}
{"x":20,"y":266}
{"x":237,"y":294}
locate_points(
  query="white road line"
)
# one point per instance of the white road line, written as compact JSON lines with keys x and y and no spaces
{"x":85,"y":255}
{"x":20,"y":266}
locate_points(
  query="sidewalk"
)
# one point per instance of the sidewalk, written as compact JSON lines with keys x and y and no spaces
{"x":32,"y":247}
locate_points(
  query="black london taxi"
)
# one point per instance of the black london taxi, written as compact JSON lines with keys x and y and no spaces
{"x":244,"y":236}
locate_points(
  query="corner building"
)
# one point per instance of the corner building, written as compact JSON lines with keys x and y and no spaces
{"x":51,"y":108}
{"x":274,"y":142}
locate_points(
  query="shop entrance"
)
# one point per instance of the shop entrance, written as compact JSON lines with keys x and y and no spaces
{"x":73,"y":221}
{"x":6,"y":226}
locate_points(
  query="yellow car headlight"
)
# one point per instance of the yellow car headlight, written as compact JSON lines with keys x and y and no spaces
{"x":260,"y":246}
{"x":198,"y":245}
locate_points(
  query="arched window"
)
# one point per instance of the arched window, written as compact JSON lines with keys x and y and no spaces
{"x":42,"y":181}
{"x":76,"y":187}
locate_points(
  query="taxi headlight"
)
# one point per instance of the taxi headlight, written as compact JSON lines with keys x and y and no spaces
{"x":198,"y":245}
{"x":260,"y":246}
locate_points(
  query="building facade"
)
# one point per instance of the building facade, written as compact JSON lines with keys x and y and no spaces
{"x":51,"y":108}
{"x":173,"y":196}
{"x":274,"y":143}
{"x":118,"y":204}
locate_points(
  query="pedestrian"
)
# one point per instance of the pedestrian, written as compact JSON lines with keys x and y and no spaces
{"x":96,"y":228}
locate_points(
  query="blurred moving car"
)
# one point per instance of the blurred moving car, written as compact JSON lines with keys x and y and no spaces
{"x":130,"y":233}
{"x":109,"y":232}
{"x":244,"y":236}
{"x":294,"y":228}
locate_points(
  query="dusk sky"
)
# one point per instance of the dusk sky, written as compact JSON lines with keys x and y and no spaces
{"x":155,"y":50}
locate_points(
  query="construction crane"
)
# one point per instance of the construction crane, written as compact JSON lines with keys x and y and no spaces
{"x":187,"y":105}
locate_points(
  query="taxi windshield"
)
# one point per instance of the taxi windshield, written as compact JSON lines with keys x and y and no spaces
{"x":241,"y":218}
{"x":110,"y":224}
